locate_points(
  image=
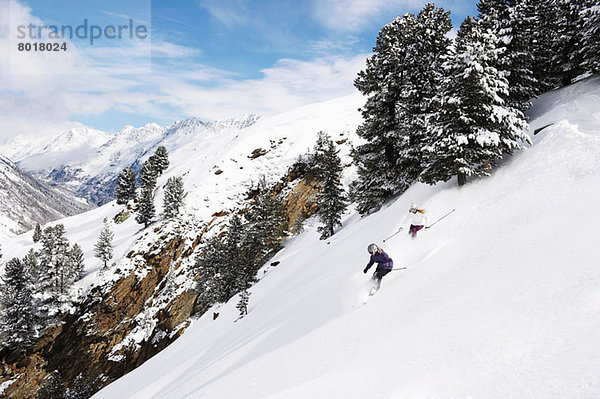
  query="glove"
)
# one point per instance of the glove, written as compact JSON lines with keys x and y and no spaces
{"x":365,"y":271}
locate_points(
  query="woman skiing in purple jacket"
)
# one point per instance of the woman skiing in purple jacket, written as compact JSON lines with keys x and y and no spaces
{"x":385,"y":264}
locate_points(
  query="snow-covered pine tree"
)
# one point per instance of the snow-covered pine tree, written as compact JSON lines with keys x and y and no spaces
{"x":173,"y":198}
{"x":17,"y":306}
{"x":148,"y":176}
{"x":146,"y":210}
{"x":160,"y":160}
{"x":591,"y":35}
{"x":423,"y":75}
{"x":266,"y":222}
{"x":37,"y":233}
{"x":32,"y":267}
{"x":569,"y":42}
{"x":475,"y":124}
{"x":520,"y":62}
{"x":45,"y":285}
{"x":209,"y":263}
{"x":245,"y":260}
{"x":76,"y":263}
{"x":331,"y":199}
{"x":242,"y":304}
{"x":400,"y":81}
{"x":126,"y":186}
{"x":376,"y":160}
{"x":103,"y":249}
{"x":228,"y":265}
{"x":512,"y":25}
{"x":33,"y":271}
{"x":55,"y":270}
{"x":542,"y":17}
{"x":60,"y":265}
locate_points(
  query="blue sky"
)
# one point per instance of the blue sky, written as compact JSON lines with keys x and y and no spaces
{"x":206,"y":58}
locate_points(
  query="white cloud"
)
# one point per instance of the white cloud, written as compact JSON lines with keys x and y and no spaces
{"x":288,"y":84}
{"x":352,"y":15}
{"x":42,"y":92}
{"x":231,"y":15}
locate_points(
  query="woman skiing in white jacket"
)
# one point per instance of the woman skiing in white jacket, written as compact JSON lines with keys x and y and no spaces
{"x":417,"y":218}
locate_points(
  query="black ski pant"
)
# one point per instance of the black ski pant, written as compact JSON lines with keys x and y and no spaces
{"x":378,"y":275}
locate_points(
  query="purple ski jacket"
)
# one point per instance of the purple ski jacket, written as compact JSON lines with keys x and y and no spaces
{"x":382,"y":259}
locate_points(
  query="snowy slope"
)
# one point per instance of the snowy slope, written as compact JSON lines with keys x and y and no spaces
{"x":500,"y":300}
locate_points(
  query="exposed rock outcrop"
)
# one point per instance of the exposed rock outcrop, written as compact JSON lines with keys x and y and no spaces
{"x":101,"y":339}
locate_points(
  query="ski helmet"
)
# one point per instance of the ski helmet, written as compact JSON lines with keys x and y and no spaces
{"x":372,"y":248}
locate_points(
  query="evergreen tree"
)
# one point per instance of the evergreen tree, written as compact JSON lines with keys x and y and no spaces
{"x":401,"y":81}
{"x":53,"y":388}
{"x":569,"y":41}
{"x":591,"y":35}
{"x":126,"y":186}
{"x":37,"y":233}
{"x":243,"y":256}
{"x":520,"y":62}
{"x":160,"y":160}
{"x":35,"y":278}
{"x":542,"y":15}
{"x":209,"y":265}
{"x":148,"y":176}
{"x":266,"y":222}
{"x":173,"y":198}
{"x":475,"y":124}
{"x":82,"y":389}
{"x":242,"y":305}
{"x":331,"y":199}
{"x":76,"y":263}
{"x":103,"y":248}
{"x":512,"y":25}
{"x":46,"y":274}
{"x":17,"y":306}
{"x":60,"y":266}
{"x":56,"y":265}
{"x":146,"y":210}
{"x":31,"y":267}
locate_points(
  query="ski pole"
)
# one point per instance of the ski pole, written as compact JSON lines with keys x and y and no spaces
{"x":399,"y":268}
{"x":441,"y":218}
{"x":399,"y":230}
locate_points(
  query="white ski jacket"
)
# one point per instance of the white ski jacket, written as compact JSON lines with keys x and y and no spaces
{"x":417,"y":219}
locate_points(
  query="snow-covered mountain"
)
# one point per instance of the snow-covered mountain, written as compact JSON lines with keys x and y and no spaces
{"x":41,"y":153}
{"x":24,"y":201}
{"x":87,"y":161}
{"x":500,"y":299}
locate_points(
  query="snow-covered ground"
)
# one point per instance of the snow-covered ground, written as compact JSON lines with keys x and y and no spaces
{"x":500,"y":300}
